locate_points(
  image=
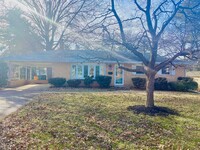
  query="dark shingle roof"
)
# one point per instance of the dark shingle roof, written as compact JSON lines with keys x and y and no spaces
{"x":79,"y":56}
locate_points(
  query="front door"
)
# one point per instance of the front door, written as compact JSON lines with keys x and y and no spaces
{"x":119,"y":76}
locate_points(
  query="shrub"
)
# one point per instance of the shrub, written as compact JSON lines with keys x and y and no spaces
{"x":177,"y":86}
{"x":3,"y":74}
{"x":74,"y":82}
{"x":183,"y":86}
{"x":186,"y":79}
{"x":192,"y":85}
{"x":88,"y":81}
{"x":104,"y":81}
{"x":57,"y":82}
{"x":139,"y":83}
{"x":189,"y":83}
{"x":161,"y":84}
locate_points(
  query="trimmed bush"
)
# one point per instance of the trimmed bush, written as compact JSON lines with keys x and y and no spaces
{"x":88,"y":81}
{"x":189,"y":83}
{"x":183,"y":86}
{"x":74,"y":82}
{"x":186,"y":79}
{"x":104,"y":81}
{"x":192,"y":85}
{"x":57,"y":82}
{"x":177,"y":86}
{"x":3,"y":74}
{"x":161,"y":84}
{"x":139,"y":83}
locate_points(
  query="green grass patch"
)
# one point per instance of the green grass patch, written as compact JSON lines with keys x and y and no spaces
{"x":101,"y":120}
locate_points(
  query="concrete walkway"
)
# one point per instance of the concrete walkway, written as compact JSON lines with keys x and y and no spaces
{"x":13,"y":98}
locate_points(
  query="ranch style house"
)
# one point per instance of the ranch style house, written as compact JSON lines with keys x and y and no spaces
{"x":38,"y":67}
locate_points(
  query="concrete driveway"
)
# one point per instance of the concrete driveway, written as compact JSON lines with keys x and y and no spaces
{"x":13,"y":98}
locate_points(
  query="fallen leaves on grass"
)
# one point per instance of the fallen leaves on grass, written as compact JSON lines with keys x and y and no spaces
{"x":101,"y":121}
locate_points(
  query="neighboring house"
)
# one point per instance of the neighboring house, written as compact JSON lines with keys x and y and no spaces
{"x":77,"y":64}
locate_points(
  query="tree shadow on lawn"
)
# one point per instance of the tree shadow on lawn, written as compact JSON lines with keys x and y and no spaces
{"x":155,"y":111}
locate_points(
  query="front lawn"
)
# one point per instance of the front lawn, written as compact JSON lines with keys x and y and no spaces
{"x":101,"y":120}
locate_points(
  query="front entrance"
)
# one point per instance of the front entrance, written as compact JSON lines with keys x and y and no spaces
{"x":119,"y":76}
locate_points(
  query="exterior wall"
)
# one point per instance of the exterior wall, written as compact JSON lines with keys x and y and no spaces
{"x":16,"y":83}
{"x":58,"y":70}
{"x":179,"y":72}
{"x":128,"y":76}
{"x":110,"y":68}
{"x":63,"y":70}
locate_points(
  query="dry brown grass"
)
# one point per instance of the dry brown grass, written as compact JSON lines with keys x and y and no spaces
{"x":101,"y":120}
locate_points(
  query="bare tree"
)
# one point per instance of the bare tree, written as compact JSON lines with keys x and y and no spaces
{"x":53,"y":19}
{"x":148,"y":25}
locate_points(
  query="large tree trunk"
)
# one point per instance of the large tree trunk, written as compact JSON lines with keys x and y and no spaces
{"x":150,"y":90}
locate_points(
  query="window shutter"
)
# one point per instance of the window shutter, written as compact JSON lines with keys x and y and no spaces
{"x":97,"y":71}
{"x":49,"y":73}
{"x":85,"y":71}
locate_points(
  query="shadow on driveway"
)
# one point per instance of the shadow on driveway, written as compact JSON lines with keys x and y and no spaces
{"x":13,"y":98}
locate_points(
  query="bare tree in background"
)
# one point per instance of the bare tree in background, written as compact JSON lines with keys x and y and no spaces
{"x":53,"y":19}
{"x":148,"y":25}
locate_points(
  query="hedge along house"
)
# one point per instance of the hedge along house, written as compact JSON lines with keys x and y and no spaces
{"x":77,"y":64}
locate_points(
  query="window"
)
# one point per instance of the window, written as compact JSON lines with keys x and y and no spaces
{"x":15,"y":72}
{"x":23,"y":73}
{"x":79,"y":71}
{"x":82,"y":71}
{"x":73,"y":72}
{"x":31,"y":73}
{"x":168,"y":70}
{"x":41,"y":73}
{"x":139,"y":68}
{"x":91,"y":71}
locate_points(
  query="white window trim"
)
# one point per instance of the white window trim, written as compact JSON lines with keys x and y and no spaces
{"x":18,"y":70}
{"x":77,"y":71}
{"x":71,"y":71}
{"x":172,"y":71}
{"x":89,"y":66}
